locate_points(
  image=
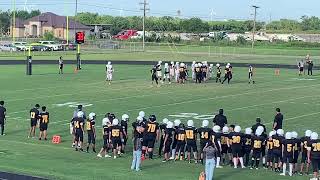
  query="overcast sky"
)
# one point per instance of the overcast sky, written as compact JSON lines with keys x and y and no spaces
{"x":219,"y":9}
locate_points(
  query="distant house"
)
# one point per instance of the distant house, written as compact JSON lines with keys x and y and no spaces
{"x":48,"y":22}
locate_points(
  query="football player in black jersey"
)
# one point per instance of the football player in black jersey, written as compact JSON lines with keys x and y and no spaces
{"x":150,"y":137}
{"x":78,"y":128}
{"x":34,"y":118}
{"x":297,"y":150}
{"x":257,"y":141}
{"x":91,"y":131}
{"x":277,"y":149}
{"x":247,"y":147}
{"x":163,"y":126}
{"x":269,"y":148}
{"x":105,"y":136}
{"x":288,"y":154}
{"x":304,"y":153}
{"x":154,"y":75}
{"x":314,"y":154}
{"x":216,"y":139}
{"x":116,"y":137}
{"x":181,"y":142}
{"x":205,"y":134}
{"x":235,"y":143}
{"x":168,"y":135}
{"x":124,"y":125}
{"x":191,"y":139}
{"x":44,"y":121}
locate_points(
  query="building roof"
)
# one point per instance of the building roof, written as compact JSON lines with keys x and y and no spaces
{"x":19,"y":23}
{"x":52,"y":20}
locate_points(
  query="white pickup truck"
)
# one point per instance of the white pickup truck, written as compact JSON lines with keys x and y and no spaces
{"x":54,"y":46}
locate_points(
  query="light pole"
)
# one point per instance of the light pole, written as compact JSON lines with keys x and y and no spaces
{"x":254,"y":24}
{"x":13,"y":20}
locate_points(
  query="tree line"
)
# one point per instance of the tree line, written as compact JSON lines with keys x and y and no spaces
{"x":174,"y":24}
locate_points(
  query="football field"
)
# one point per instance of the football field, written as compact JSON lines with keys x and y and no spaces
{"x":131,"y":92}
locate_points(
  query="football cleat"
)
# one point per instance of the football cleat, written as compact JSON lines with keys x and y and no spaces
{"x":99,"y":155}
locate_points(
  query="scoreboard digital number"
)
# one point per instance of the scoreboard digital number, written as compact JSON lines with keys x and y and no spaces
{"x":80,"y":37}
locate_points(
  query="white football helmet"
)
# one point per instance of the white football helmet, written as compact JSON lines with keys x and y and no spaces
{"x":211,"y":65}
{"x":139,"y":119}
{"x":142,"y":114}
{"x":169,"y":124}
{"x":92,"y":116}
{"x":225,"y":129}
{"x":193,"y":62}
{"x":288,"y":135}
{"x":80,"y":114}
{"x":237,"y":129}
{"x":308,"y":133}
{"x":105,"y":121}
{"x":228,"y":64}
{"x":125,"y":117}
{"x":190,"y":123}
{"x":271,"y":133}
{"x":115,"y":122}
{"x":205,"y":123}
{"x":216,"y":129}
{"x":218,"y":65}
{"x":160,"y":62}
{"x":314,"y":136}
{"x":182,"y":65}
{"x":294,"y":134}
{"x":166,"y":65}
{"x":261,"y":128}
{"x":165,"y":121}
{"x":280,"y":132}
{"x":259,"y":131}
{"x":196,"y":65}
{"x":109,"y":62}
{"x":177,"y":122}
{"x":248,"y":131}
{"x":199,"y":64}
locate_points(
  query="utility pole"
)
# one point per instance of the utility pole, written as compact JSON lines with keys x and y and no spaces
{"x":75,"y":21}
{"x":254,"y":24}
{"x":144,"y":9}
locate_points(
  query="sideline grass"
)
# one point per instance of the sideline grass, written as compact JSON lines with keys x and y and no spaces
{"x":298,"y":98}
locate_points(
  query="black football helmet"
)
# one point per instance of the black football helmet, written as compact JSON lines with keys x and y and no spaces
{"x":152,"y":118}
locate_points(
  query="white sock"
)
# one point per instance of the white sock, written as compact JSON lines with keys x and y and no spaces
{"x":264,"y":160}
{"x":235,"y":162}
{"x":241,"y":162}
{"x":284,"y":166}
{"x":173,"y":154}
{"x":290,"y":169}
{"x":218,"y":161}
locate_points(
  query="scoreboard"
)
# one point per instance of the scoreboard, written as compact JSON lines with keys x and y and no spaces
{"x":80,"y":37}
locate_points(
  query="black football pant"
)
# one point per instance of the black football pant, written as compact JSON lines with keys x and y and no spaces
{"x":226,"y":78}
{"x":310,"y":72}
{"x":2,"y":127}
{"x":198,"y":78}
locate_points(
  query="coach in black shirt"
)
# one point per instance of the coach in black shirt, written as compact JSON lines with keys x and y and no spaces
{"x":220,"y":119}
{"x":278,"y":119}
{"x":258,"y":123}
{"x":2,"y":116}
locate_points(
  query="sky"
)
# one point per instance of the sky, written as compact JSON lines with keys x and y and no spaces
{"x":205,"y":9}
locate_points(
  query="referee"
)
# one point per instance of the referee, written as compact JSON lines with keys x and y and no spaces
{"x":2,"y":117}
{"x":60,"y":65}
{"x":278,"y":119}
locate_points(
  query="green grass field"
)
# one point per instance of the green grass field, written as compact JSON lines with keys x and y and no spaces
{"x":131,"y":92}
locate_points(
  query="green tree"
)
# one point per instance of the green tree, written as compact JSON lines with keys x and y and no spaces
{"x":48,"y":36}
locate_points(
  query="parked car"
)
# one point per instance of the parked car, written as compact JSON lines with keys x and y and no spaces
{"x":54,"y":46}
{"x":21,"y":46}
{"x":68,"y":46}
{"x":8,"y":47}
{"x":39,"y":47}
